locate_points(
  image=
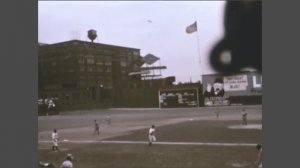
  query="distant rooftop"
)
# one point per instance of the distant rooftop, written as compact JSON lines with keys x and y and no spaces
{"x":42,"y":44}
{"x":86,"y":42}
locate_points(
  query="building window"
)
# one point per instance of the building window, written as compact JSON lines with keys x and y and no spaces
{"x":81,"y":61}
{"x":53,"y":63}
{"x":123,"y":63}
{"x":109,"y":84}
{"x":71,"y":70}
{"x":107,"y":51}
{"x":99,"y":69}
{"x":129,"y":58}
{"x":108,"y":69}
{"x":123,"y":56}
{"x":90,"y":60}
{"x":81,"y":83}
{"x":108,"y":63}
{"x":82,"y":69}
{"x":81,"y":77}
{"x":91,"y":69}
{"x":136,"y":53}
{"x":107,"y":57}
{"x":98,"y":62}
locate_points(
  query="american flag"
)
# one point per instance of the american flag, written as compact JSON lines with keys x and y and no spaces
{"x":192,"y":28}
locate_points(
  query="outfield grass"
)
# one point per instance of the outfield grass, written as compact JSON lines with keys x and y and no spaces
{"x":200,"y":131}
{"x":167,"y":156}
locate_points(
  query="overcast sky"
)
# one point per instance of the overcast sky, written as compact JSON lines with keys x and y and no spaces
{"x":153,"y":27}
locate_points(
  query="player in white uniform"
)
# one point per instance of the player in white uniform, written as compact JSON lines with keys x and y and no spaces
{"x":97,"y":128}
{"x":217,"y":112}
{"x":108,"y":119}
{"x":151,"y":136}
{"x":54,"y":140}
{"x":68,"y":162}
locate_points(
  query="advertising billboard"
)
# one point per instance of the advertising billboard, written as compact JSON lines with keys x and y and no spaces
{"x":214,"y":93}
{"x":235,"y":83}
{"x":217,"y":89}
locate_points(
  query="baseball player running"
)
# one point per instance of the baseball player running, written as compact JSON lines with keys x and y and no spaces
{"x":151,"y":136}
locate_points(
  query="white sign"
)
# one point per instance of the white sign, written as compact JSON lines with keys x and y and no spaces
{"x":255,"y":83}
{"x":235,"y":83}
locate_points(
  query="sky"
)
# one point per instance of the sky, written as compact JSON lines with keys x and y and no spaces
{"x":156,"y":27}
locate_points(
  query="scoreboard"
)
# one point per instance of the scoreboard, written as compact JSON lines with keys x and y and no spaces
{"x":170,"y":98}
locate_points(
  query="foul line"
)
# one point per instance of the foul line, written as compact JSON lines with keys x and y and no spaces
{"x":158,"y":143}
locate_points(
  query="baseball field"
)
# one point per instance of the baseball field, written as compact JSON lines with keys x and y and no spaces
{"x":186,"y":138}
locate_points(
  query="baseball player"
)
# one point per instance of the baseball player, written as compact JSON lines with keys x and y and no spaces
{"x":54,"y":140}
{"x":217,"y":112}
{"x":68,"y":162}
{"x":244,"y":117}
{"x":151,"y":136}
{"x":97,"y":128}
{"x":108,"y":119}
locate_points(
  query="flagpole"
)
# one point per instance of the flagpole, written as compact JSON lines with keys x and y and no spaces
{"x":198,"y":46}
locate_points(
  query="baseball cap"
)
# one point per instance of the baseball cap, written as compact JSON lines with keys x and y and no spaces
{"x":70,"y":156}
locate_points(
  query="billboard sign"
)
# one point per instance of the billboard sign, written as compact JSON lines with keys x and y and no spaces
{"x":217,"y":88}
{"x":150,"y":59}
{"x":235,"y":83}
{"x":214,"y":94}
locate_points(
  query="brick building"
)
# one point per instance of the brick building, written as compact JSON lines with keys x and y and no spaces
{"x":84,"y":73}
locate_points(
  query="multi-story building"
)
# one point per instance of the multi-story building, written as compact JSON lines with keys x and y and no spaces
{"x":85,"y":73}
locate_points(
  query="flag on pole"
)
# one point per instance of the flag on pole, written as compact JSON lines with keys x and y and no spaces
{"x":192,"y":28}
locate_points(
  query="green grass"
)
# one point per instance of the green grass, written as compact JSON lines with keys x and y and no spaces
{"x":167,"y":156}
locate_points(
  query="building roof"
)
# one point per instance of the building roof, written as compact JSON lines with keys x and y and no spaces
{"x":42,"y":44}
{"x":86,"y":42}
